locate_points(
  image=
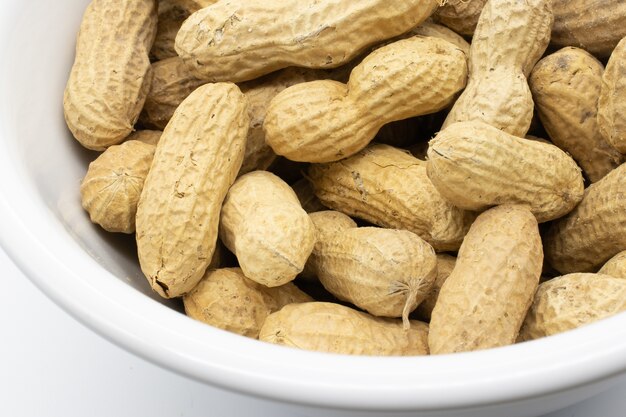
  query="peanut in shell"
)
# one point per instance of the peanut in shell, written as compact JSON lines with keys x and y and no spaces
{"x":196,"y":161}
{"x":571,"y":301}
{"x":263,"y":224}
{"x":111,"y":74}
{"x":484,"y":300}
{"x":333,"y":328}
{"x":390,"y":188}
{"x":566,"y":87}
{"x":476,"y":166}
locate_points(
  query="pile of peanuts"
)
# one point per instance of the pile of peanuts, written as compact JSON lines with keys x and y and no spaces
{"x":363,"y":177}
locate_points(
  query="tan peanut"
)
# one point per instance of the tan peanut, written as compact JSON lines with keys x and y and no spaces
{"x":510,"y":38}
{"x":460,"y":15}
{"x":594,"y":25}
{"x":240,"y":40}
{"x":445,"y":265}
{"x":111,"y":74}
{"x":111,"y":189}
{"x":571,"y":301}
{"x":616,"y":266}
{"x":263,"y":224}
{"x":612,"y":102}
{"x":170,"y":18}
{"x":382,"y":271}
{"x":196,"y":161}
{"x":324,"y":121}
{"x":390,"y":188}
{"x":333,"y":328}
{"x":476,"y":166}
{"x":566,"y":87}
{"x":594,"y":231}
{"x":226,"y":299}
{"x":484,"y":301}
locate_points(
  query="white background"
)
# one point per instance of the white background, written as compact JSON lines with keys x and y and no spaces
{"x":50,"y":365}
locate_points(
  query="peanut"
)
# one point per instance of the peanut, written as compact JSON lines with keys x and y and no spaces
{"x":566,"y":87}
{"x":612,"y":102}
{"x":594,"y":25}
{"x":240,"y":40}
{"x":390,"y":188}
{"x":263,"y":224}
{"x":111,"y":189}
{"x":324,"y":121}
{"x":594,"y":231}
{"x":484,"y":301}
{"x":571,"y":301}
{"x":333,"y":328}
{"x":226,"y":299}
{"x":460,"y":15}
{"x":196,"y":161}
{"x":476,"y":166}
{"x":382,"y":271}
{"x":111,"y":74}
{"x":510,"y":38}
{"x":445,"y":265}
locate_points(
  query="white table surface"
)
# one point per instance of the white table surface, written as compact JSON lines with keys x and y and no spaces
{"x":51,"y":365}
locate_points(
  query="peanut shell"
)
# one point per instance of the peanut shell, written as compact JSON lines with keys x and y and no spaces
{"x":324,"y":121}
{"x":240,"y":40}
{"x":566,"y":87}
{"x":484,"y":301}
{"x":390,"y":188}
{"x":594,"y":231}
{"x":382,"y":271}
{"x":110,"y":191}
{"x":571,"y":301}
{"x":476,"y":166}
{"x":510,"y":38}
{"x":333,"y":328}
{"x":263,"y":224}
{"x":111,"y":74}
{"x":196,"y":161}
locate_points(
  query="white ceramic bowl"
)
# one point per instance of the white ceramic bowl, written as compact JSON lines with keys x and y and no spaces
{"x":94,"y":277}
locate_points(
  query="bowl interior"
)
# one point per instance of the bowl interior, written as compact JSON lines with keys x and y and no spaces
{"x":95,"y":276}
